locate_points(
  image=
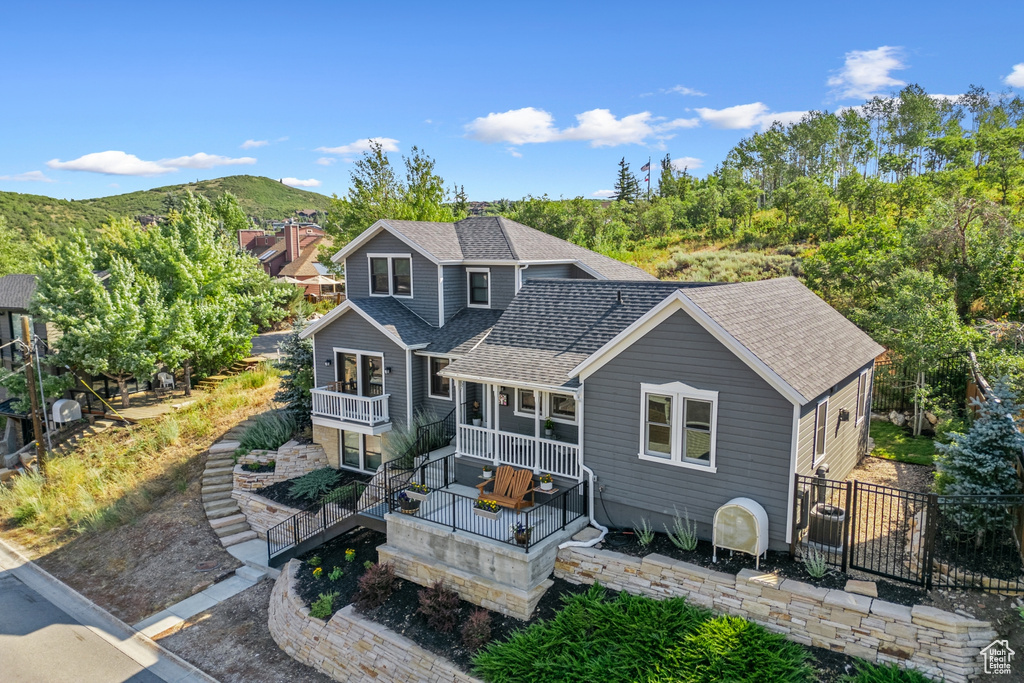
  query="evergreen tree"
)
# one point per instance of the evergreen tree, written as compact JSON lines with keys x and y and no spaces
{"x":297,"y":363}
{"x":667,"y":186}
{"x":627,"y":188}
{"x":981,"y":462}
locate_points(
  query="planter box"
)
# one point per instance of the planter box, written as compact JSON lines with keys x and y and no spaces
{"x":547,"y":486}
{"x":484,"y":513}
{"x":416,"y":495}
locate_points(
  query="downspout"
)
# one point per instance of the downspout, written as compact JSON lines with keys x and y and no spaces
{"x":593,"y":479}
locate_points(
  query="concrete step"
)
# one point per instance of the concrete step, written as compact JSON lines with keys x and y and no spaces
{"x":250,"y":573}
{"x":232,"y":529}
{"x":214,"y":471}
{"x":219,"y":504}
{"x":215,"y":488}
{"x":217,"y":495}
{"x":227,"y":511}
{"x":221,"y":522}
{"x":228,"y":541}
{"x":216,"y":479}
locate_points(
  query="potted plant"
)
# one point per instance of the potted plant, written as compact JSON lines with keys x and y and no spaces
{"x":408,"y":505}
{"x":521,"y":532}
{"x":476,"y":416}
{"x":487,"y":472}
{"x":549,"y":428}
{"x":418,"y":491}
{"x":546,"y":482}
{"x":486,"y":508}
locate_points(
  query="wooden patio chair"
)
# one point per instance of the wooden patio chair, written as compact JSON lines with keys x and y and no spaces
{"x":510,"y":488}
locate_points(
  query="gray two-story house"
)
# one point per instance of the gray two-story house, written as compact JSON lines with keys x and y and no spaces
{"x":661,"y":396}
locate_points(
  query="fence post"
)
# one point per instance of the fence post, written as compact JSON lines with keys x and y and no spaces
{"x":852,"y":517}
{"x":445,"y":468}
{"x":793,"y":531}
{"x":565,"y":510}
{"x":931,"y":521}
{"x":846,"y":525}
{"x":451,"y":500}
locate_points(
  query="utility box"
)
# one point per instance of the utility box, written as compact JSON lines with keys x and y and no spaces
{"x":741,"y":525}
{"x":66,"y":410}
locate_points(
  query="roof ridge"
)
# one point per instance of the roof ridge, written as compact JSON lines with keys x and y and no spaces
{"x":504,"y":235}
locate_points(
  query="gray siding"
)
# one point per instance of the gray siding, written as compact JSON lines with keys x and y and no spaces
{"x":424,"y":275}
{"x":845,"y":441}
{"x":754,"y":433}
{"x":503,"y":286}
{"x":422,"y":402}
{"x":353,"y":332}
{"x":454,"y":290}
{"x":554,"y":270}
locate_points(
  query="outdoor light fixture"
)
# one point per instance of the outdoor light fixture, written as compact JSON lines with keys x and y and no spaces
{"x":844,"y":415}
{"x":327,"y":362}
{"x":387,"y":370}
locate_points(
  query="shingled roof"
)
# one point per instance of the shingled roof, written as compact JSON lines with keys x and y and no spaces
{"x":495,"y":238}
{"x":552,"y":326}
{"x":16,"y":291}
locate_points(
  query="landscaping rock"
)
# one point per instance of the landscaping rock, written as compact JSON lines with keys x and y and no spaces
{"x":6,"y":474}
{"x":897,"y":419}
{"x":11,"y":461}
{"x":932,"y":420}
{"x":868,"y":588}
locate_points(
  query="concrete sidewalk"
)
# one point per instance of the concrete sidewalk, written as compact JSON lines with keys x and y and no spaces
{"x":41,"y":637}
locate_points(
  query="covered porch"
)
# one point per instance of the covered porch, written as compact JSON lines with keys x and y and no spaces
{"x":527,"y":427}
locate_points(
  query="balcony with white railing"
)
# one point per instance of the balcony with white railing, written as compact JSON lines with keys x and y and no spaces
{"x":364,"y":410}
{"x":519,"y":450}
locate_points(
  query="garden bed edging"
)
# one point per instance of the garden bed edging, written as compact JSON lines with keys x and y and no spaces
{"x":348,"y":647}
{"x":935,"y":642}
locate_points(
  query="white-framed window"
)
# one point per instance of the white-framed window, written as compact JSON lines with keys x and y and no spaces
{"x":863,"y":407}
{"x":440,"y":387}
{"x":526,"y":403}
{"x":562,"y":408}
{"x":360,"y":451}
{"x":558,"y":407}
{"x":820,"y":431}
{"x":478,"y":287}
{"x":679,"y":425}
{"x":358,"y":373}
{"x":390,"y":275}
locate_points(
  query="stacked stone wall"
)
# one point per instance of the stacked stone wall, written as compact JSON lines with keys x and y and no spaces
{"x":261,"y":513}
{"x":290,"y":461}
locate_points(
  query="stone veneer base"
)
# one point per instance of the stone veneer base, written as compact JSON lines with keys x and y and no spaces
{"x":935,"y":642}
{"x":348,"y":647}
{"x":262,"y":513}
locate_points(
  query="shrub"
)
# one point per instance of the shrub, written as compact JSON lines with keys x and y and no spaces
{"x":729,"y":266}
{"x":644,"y":533}
{"x":729,"y":648}
{"x":814,"y":563}
{"x":335,"y":574}
{"x":375,"y":586}
{"x":476,"y":632}
{"x":296,"y":364}
{"x":269,"y":432}
{"x":323,"y":606}
{"x":883,"y":673}
{"x":440,"y":606}
{"x":683,"y":533}
{"x":314,"y":561}
{"x":314,"y":485}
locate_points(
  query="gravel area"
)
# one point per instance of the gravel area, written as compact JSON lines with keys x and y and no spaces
{"x":899,"y":475}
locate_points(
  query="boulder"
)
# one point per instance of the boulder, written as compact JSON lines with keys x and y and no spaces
{"x":898,"y":419}
{"x":932,"y":420}
{"x":11,"y":461}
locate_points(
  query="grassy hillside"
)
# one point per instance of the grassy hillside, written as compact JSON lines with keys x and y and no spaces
{"x":261,"y":198}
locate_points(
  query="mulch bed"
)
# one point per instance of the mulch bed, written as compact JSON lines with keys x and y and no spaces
{"x":279,"y":492}
{"x":332,"y":554}
{"x":997,"y":557}
{"x":774,"y":562}
{"x":259,"y":469}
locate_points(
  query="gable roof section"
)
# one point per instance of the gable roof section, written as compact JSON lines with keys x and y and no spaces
{"x":16,"y":291}
{"x":304,"y":266}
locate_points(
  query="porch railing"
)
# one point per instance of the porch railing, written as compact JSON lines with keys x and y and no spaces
{"x":519,"y":450}
{"x":368,"y":410}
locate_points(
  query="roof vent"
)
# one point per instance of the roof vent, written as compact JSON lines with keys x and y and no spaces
{"x":620,"y":296}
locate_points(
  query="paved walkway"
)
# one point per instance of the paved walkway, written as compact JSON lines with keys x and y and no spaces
{"x":266,"y":344}
{"x":50,"y":632}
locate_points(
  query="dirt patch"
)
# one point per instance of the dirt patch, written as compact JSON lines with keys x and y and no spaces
{"x":232,"y":643}
{"x":136,"y":570}
{"x":900,"y":475}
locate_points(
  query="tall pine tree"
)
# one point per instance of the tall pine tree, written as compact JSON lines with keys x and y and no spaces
{"x":627,"y":188}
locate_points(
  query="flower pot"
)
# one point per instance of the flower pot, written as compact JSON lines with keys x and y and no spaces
{"x":548,"y":433}
{"x":487,"y":474}
{"x":410,"y":507}
{"x":477,"y":421}
{"x":523,"y":538}
{"x":485,"y":513}
{"x":416,"y":495}
{"x":546,"y":485}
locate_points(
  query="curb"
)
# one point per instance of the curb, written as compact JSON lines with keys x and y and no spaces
{"x":168,"y":666}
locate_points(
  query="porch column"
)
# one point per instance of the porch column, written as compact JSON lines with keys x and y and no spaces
{"x":536,"y":431}
{"x":493,"y":389}
{"x":459,"y":417}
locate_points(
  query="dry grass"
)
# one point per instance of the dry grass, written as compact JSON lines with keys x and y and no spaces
{"x":114,"y":477}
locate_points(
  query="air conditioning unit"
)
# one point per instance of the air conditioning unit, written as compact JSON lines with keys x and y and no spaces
{"x":741,"y":525}
{"x":65,"y":410}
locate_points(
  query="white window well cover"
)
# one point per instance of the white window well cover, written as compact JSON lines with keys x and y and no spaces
{"x":741,"y":525}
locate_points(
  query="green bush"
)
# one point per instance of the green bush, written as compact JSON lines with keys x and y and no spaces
{"x":315,"y":485}
{"x":269,"y":432}
{"x":729,"y":648}
{"x":323,"y":606}
{"x":728,"y":266}
{"x":883,"y":673}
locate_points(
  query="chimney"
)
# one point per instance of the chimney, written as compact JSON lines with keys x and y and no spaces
{"x":291,"y":243}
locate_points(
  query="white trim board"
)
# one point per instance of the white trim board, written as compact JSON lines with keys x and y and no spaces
{"x":675,"y":302}
{"x":343,"y":308}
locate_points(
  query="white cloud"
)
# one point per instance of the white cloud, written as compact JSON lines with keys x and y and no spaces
{"x":1016,"y":77}
{"x":296,"y":182}
{"x":282,"y":139}
{"x":325,"y":161}
{"x":252,"y":144}
{"x":599,"y":127}
{"x":683,"y":90}
{"x":360,"y":146}
{"x":732,"y":118}
{"x":687,"y":164}
{"x":867,"y":72}
{"x":29,"y":177}
{"x":514,"y":152}
{"x":604,"y":194}
{"x":784,"y":117}
{"x":115,"y":162}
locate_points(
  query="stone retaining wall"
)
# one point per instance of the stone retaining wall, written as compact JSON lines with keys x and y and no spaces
{"x":937,"y":643}
{"x":261,"y":513}
{"x":290,"y":461}
{"x":348,"y":647}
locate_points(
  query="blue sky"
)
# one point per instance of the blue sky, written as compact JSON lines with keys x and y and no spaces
{"x":510,"y":99}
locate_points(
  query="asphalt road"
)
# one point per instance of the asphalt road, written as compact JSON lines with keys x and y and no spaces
{"x":40,"y":642}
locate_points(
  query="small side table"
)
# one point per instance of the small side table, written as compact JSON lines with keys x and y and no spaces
{"x":538,"y":489}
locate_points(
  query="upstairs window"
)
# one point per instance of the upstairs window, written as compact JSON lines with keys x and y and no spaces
{"x":391,"y":275}
{"x":479,"y":287}
{"x":440,"y":387}
{"x":678,"y":425}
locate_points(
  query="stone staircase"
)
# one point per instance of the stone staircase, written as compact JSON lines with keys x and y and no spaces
{"x":222,"y":511}
{"x":68,"y":442}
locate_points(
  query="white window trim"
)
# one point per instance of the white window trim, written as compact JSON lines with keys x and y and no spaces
{"x":814,"y":442}
{"x":362,"y":452}
{"x":359,"y":369}
{"x":391,"y":274}
{"x":862,"y":386}
{"x":544,"y":401}
{"x":556,"y":418}
{"x":515,"y":406}
{"x":679,"y":393}
{"x":430,"y":380}
{"x":469,"y":287}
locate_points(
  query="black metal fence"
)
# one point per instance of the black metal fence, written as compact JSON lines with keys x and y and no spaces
{"x":895,"y":383}
{"x":920,"y":538}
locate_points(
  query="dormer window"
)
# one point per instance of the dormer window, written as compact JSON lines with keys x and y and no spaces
{"x":479,"y":287}
{"x":391,"y":275}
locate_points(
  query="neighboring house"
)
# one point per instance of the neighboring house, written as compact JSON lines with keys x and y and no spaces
{"x":291,"y":252}
{"x":664,"y":396}
{"x":15,"y":294}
